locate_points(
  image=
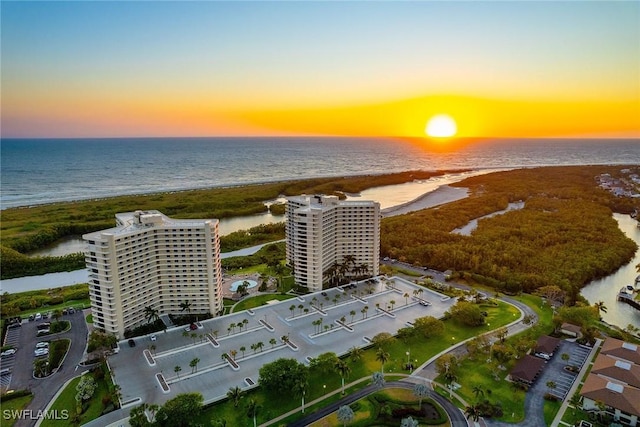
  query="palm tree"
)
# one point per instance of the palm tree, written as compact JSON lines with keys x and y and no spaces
{"x":151,"y":314}
{"x":355,"y":354}
{"x":259,"y":345}
{"x":383,"y":357}
{"x":177,"y":370}
{"x":406,"y":298}
{"x":194,"y":337}
{"x":363,"y":311}
{"x":478,"y":391}
{"x":152,"y":348}
{"x":233,"y":354}
{"x":243,"y":349}
{"x":292,"y":307}
{"x":254,"y":348}
{"x":420,"y":391}
{"x":343,"y":369}
{"x":273,"y":342}
{"x":185,"y":334}
{"x":551,"y":385}
{"x":234,"y":394}
{"x":252,"y":410}
{"x":194,"y":364}
{"x":575,"y":401}
{"x":472,"y":412}
{"x":345,"y":414}
{"x":352,"y":313}
{"x":245,"y":322}
{"x":392,"y":302}
{"x":600,"y":307}
{"x":565,"y":357}
{"x":185,"y":306}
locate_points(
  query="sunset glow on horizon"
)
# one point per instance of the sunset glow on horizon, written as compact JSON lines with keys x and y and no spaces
{"x":498,"y":69}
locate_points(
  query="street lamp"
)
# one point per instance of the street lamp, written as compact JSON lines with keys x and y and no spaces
{"x":409,"y":366}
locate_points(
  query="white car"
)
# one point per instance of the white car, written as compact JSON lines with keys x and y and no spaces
{"x":41,"y":352}
{"x":153,"y":337}
{"x":8,"y":352}
{"x":42,"y":344}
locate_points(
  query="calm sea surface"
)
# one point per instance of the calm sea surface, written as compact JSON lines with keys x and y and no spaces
{"x":43,"y":171}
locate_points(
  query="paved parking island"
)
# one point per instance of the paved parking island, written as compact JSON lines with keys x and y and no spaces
{"x":334,"y":320}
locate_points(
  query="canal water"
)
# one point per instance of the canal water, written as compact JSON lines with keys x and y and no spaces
{"x":606,"y":289}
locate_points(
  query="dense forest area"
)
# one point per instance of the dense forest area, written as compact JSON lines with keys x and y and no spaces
{"x":30,"y":228}
{"x":565,"y":235}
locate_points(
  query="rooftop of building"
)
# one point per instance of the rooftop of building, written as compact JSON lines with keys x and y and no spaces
{"x":320,"y":201}
{"x":621,"y":350}
{"x":140,"y":220}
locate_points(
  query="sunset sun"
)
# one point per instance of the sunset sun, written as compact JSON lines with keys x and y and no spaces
{"x":441,"y":126}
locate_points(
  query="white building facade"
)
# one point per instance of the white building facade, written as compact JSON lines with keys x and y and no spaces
{"x":324,"y":233}
{"x":151,"y":260}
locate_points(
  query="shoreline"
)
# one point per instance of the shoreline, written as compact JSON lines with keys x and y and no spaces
{"x":441,"y":195}
{"x":436,"y":172}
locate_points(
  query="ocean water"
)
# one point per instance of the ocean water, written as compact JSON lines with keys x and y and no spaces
{"x":36,"y":171}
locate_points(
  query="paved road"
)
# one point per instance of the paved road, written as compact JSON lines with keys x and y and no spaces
{"x":455,"y":415}
{"x":44,"y":389}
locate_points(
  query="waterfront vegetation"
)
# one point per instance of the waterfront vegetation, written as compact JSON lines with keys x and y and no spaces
{"x":41,"y":301}
{"x":30,"y":228}
{"x":565,"y":234}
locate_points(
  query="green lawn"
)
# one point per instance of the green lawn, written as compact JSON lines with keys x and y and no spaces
{"x":259,"y":300}
{"x":14,"y":405}
{"x":66,"y":401}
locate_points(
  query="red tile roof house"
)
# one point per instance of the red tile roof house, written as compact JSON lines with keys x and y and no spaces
{"x":527,"y":370}
{"x":615,"y":381}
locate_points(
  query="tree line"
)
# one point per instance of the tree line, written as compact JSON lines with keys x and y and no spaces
{"x":565,"y":235}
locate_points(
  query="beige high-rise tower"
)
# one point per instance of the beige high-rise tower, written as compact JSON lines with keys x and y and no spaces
{"x":325,"y":234}
{"x":151,"y":260}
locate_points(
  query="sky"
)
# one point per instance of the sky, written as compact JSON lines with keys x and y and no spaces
{"x":357,"y":68}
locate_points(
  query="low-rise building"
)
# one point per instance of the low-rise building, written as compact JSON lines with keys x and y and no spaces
{"x":613,"y":385}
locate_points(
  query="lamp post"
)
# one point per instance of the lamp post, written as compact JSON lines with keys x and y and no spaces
{"x":409,"y":360}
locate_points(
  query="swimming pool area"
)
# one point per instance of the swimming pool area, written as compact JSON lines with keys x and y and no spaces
{"x":250,"y":284}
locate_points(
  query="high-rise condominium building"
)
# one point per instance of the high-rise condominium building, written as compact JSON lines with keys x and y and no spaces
{"x":151,"y":260}
{"x":327,"y":237}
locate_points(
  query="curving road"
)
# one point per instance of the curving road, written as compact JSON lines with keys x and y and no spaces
{"x":455,"y":415}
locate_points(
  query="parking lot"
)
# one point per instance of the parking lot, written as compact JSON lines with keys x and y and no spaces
{"x":7,"y":363}
{"x":559,"y":375}
{"x":334,"y":320}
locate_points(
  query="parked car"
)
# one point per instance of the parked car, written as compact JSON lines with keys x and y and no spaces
{"x":41,"y":352}
{"x":45,"y":325}
{"x":38,"y":316}
{"x":8,"y":352}
{"x":71,"y":310}
{"x":42,"y":332}
{"x":42,"y":344}
{"x":132,"y":343}
{"x":153,"y":337}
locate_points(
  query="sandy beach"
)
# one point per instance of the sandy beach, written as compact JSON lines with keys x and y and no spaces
{"x":440,"y":196}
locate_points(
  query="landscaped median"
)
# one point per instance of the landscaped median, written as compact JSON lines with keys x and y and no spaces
{"x":102,"y":399}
